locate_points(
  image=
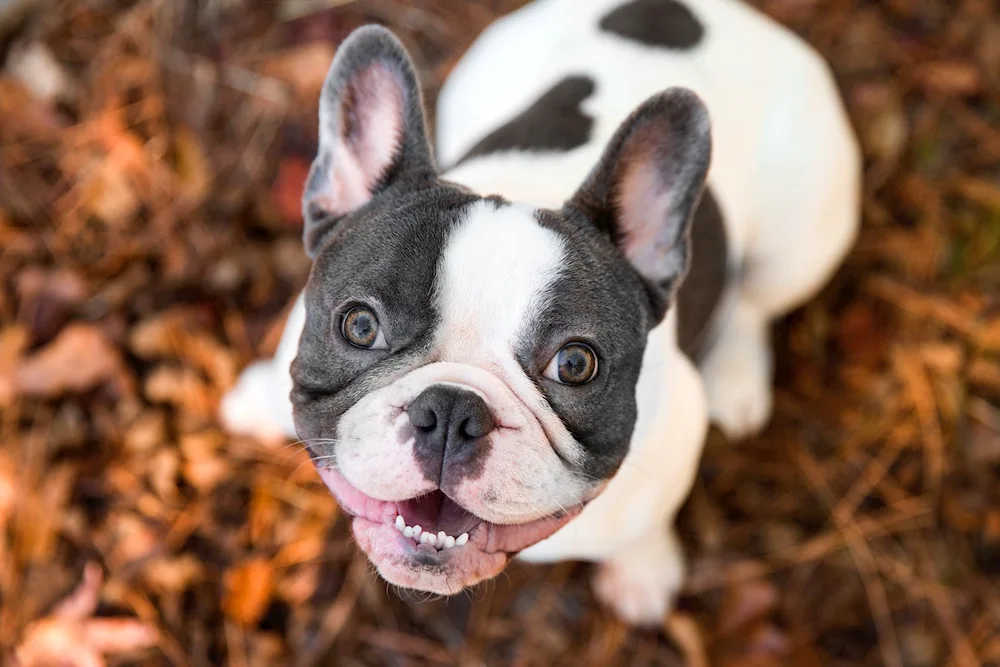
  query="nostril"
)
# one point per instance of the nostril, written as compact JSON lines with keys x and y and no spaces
{"x":468,"y":430}
{"x":425,"y":420}
{"x":478,"y":425}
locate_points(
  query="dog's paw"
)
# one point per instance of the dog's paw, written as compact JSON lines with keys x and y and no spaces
{"x":254,"y":407}
{"x":740,"y":399}
{"x":640,"y":585}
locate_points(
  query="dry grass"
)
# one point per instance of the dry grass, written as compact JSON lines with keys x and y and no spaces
{"x":149,"y":236}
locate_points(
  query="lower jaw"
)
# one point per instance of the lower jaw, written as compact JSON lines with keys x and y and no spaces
{"x":402,"y":562}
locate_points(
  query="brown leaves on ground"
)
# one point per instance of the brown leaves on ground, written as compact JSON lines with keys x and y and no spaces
{"x":71,"y":637}
{"x":80,"y":359}
{"x":249,"y":586}
{"x":150,"y":233}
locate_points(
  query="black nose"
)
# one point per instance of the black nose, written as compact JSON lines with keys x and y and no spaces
{"x":450,"y":424}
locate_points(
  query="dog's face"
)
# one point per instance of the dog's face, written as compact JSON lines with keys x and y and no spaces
{"x":466,"y":377}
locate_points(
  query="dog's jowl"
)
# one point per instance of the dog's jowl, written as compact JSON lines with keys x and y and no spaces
{"x":514,"y":348}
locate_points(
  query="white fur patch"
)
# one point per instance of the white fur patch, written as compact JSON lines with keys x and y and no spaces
{"x":495,"y":274}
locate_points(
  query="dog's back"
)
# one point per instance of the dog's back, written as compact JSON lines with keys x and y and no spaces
{"x":529,"y":107}
{"x":608,"y":56}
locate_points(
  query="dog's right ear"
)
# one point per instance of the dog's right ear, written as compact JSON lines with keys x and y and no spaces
{"x":646,"y":186}
{"x":372,"y":132}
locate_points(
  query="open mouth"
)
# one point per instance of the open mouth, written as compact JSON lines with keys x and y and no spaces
{"x":433,"y":528}
{"x":435,"y":520}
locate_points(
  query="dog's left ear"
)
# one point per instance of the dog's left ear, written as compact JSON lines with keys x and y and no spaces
{"x":646,"y":186}
{"x":372,"y":132}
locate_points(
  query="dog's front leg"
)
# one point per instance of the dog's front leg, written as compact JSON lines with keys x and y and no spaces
{"x":259,"y":404}
{"x":640,"y":583}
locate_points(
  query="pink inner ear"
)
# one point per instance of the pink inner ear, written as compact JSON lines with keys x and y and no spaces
{"x":371,"y":125}
{"x":644,"y":205}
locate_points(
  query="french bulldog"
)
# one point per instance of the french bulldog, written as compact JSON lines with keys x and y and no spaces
{"x":515,"y":349}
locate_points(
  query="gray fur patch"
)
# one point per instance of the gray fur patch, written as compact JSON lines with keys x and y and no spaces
{"x":553,"y":122}
{"x":700,"y":295}
{"x":665,"y":24}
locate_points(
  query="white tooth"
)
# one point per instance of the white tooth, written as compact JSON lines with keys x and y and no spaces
{"x":449,"y":542}
{"x":416,"y":532}
{"x":431,"y":539}
{"x":400,"y":523}
{"x":408,"y":531}
{"x":462,"y":539}
{"x":441,"y":537}
{"x":423,"y":538}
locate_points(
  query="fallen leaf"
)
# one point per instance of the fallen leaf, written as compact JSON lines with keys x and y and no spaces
{"x":69,"y":637}
{"x":147,"y":432}
{"x":13,"y":343}
{"x":8,"y":489}
{"x":173,"y":575}
{"x":745,"y":603}
{"x":953,"y":78}
{"x":299,"y":584}
{"x":193,"y":166}
{"x":47,"y":299}
{"x":684,"y":631}
{"x":180,"y":387}
{"x":248,"y":586}
{"x":203,"y":468}
{"x":173,"y":334}
{"x":78,"y":360}
{"x":132,"y":538}
{"x":110,"y":195}
{"x":882,"y":119}
{"x":304,"y":68}
{"x":288,"y":188}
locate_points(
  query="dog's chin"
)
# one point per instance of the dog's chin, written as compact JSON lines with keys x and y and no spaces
{"x":405,"y":562}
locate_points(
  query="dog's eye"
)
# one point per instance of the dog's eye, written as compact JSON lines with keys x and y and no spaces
{"x":360,"y":328}
{"x":575,"y":364}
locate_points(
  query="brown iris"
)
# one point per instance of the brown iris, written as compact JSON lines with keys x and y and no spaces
{"x":576,"y":364}
{"x":360,"y":327}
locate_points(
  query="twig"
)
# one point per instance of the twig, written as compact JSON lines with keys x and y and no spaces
{"x":406,"y":644}
{"x":963,"y":654}
{"x":863,"y":560}
{"x":813,"y":550}
{"x":338,"y":614}
{"x":872,"y":475}
{"x":910,"y":367}
{"x":906,"y":298}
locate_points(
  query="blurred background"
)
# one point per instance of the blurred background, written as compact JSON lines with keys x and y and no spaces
{"x":152,"y":154}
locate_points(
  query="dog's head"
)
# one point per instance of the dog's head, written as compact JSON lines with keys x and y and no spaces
{"x":466,"y":376}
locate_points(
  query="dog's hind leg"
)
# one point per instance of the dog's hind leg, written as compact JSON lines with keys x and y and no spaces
{"x":805,"y":218}
{"x":737,"y":371}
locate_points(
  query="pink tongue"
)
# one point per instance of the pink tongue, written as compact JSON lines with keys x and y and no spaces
{"x":438,"y":512}
{"x":514,"y":538}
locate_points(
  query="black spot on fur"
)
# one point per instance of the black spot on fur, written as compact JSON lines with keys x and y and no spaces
{"x":700,"y":294}
{"x":665,"y":24}
{"x":554,"y":122}
{"x":431,"y":562}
